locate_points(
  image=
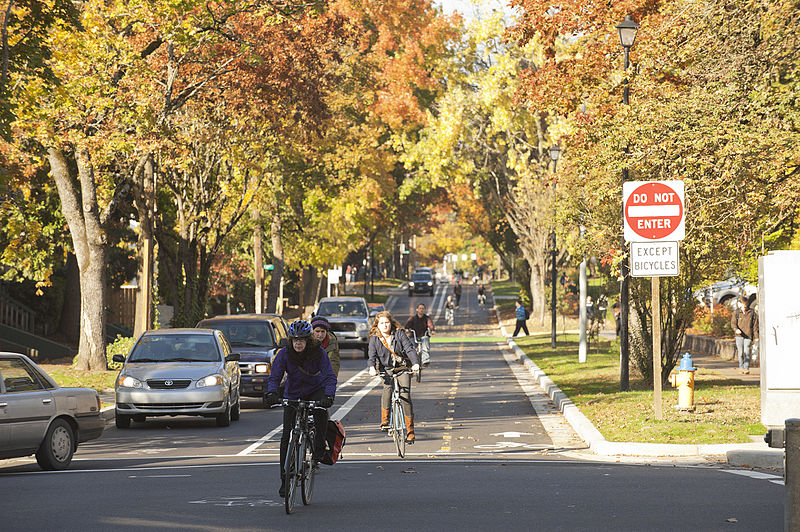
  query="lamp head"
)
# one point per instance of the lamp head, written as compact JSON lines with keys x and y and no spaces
{"x":627,"y":31}
{"x":555,"y":152}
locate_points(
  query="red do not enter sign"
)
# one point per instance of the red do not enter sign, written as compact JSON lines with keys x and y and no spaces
{"x":653,"y":211}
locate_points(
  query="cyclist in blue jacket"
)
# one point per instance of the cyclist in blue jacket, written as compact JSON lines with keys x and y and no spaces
{"x":309,"y":377}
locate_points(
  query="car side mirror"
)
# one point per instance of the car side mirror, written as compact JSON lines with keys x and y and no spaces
{"x":233,"y":357}
{"x":283,"y":342}
{"x":118,"y":358}
{"x":313,"y":313}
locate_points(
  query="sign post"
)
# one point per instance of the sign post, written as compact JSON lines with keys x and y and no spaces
{"x":654,"y":222}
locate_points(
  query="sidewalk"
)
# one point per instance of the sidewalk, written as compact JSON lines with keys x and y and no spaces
{"x":756,"y":454}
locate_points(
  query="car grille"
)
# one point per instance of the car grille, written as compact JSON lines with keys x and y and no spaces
{"x":168,"y":384}
{"x":167,"y":406}
{"x":343,"y":327}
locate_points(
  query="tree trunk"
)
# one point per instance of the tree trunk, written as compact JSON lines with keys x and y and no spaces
{"x":144,"y":186}
{"x":275,"y":292}
{"x":69,"y":324}
{"x":81,"y":211}
{"x":258,"y":264}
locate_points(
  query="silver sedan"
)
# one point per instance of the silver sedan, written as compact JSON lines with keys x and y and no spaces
{"x":172,"y":372}
{"x":37,"y":416}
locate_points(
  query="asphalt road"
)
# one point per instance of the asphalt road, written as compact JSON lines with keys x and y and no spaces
{"x":491,"y":452}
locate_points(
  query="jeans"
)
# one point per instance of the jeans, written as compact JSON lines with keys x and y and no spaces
{"x":320,"y":425}
{"x":425,"y":350}
{"x":405,"y":394}
{"x":744,"y":346}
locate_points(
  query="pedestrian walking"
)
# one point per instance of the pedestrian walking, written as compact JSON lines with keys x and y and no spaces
{"x":457,"y":292}
{"x":744,"y":323}
{"x":615,"y":308}
{"x":522,"y":317}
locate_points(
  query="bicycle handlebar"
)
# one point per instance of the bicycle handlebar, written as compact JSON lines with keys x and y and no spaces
{"x":298,"y":402}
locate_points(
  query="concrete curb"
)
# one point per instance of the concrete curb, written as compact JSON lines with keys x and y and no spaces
{"x":739,"y":454}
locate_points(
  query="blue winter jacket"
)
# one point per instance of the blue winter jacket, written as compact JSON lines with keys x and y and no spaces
{"x":299,"y":385}
{"x":521,"y":312}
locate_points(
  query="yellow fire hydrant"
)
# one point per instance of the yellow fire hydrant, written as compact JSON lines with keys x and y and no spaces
{"x":684,"y":381}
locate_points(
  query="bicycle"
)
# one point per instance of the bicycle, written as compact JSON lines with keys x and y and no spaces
{"x":418,"y":342}
{"x":397,"y":418}
{"x":300,"y":466}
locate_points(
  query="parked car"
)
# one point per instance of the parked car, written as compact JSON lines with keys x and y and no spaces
{"x":725,"y":292}
{"x":421,"y":282}
{"x":178,"y":372}
{"x":255,"y":337}
{"x":349,"y":319}
{"x":37,"y":416}
{"x":374,"y":308}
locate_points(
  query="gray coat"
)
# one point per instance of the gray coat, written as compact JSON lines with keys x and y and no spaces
{"x":401,"y":346}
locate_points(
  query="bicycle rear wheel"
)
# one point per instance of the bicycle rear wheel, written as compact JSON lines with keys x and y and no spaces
{"x":307,"y":478}
{"x":399,"y":429}
{"x":291,"y":471}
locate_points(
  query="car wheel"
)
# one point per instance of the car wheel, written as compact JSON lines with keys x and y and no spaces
{"x":366,"y":352}
{"x":264,"y":403}
{"x":139,"y":418}
{"x":224,"y":419}
{"x":236,"y":412}
{"x":55,"y":452}
{"x":122,"y":421}
{"x":410,"y":293}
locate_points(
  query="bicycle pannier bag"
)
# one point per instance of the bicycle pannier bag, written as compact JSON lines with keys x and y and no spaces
{"x":335,"y":437}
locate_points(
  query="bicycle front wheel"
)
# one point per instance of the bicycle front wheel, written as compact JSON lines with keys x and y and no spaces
{"x":399,"y":429}
{"x":307,"y":478}
{"x":291,"y":472}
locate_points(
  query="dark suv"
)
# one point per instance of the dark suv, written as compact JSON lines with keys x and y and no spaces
{"x":255,"y":337}
{"x":421,"y":282}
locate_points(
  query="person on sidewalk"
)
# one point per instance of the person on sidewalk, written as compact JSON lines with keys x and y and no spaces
{"x":744,"y":323}
{"x":422,"y":325}
{"x":457,"y":293}
{"x":390,"y":350}
{"x":522,"y":316}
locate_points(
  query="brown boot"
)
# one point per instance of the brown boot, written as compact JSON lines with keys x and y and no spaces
{"x":384,"y":419}
{"x":409,"y":429}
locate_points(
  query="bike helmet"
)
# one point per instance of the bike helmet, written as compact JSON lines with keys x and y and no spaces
{"x":300,"y":329}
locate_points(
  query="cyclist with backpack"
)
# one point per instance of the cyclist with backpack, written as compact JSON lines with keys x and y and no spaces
{"x":309,"y":377}
{"x":390,"y":348}
{"x":327,"y":340}
{"x":522,"y":315}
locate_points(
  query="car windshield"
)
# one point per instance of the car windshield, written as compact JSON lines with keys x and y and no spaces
{"x":421,"y":277}
{"x":241,"y":334}
{"x":341,"y":308}
{"x":175,"y":348}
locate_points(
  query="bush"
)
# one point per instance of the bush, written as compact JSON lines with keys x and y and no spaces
{"x":121,"y":346}
{"x":717,"y":325}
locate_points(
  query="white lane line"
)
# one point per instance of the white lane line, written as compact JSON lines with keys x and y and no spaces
{"x":439,"y":295}
{"x":341,"y":412}
{"x":754,"y":474}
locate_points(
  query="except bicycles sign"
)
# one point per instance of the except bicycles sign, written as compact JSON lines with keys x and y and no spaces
{"x":653,"y":211}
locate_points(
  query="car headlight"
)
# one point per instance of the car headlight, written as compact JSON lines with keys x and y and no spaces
{"x":211,"y":380}
{"x":430,"y":283}
{"x":411,"y":283}
{"x":261,"y":368}
{"x":126,"y":381}
{"x":361,"y":326}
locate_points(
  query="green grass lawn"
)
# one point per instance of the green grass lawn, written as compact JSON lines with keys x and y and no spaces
{"x":505,"y":288}
{"x":67,"y":376}
{"x":728,"y":410}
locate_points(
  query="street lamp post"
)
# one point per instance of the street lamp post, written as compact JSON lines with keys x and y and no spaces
{"x":627,"y":35}
{"x":555,"y":154}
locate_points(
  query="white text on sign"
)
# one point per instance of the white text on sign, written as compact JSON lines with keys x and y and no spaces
{"x":653,"y":211}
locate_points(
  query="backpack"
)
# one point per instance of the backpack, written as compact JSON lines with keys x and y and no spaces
{"x":527,"y":313}
{"x":335,"y":436}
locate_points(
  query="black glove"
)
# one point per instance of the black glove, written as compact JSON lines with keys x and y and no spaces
{"x":327,"y":402}
{"x":272,"y":399}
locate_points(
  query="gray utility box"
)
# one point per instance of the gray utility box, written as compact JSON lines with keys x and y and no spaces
{"x":779,"y":336}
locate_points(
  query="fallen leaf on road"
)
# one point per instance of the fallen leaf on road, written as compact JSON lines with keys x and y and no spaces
{"x":731,"y":520}
{"x":380,"y":467}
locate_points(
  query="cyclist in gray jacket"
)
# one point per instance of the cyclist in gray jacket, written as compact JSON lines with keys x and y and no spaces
{"x":390,"y":349}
